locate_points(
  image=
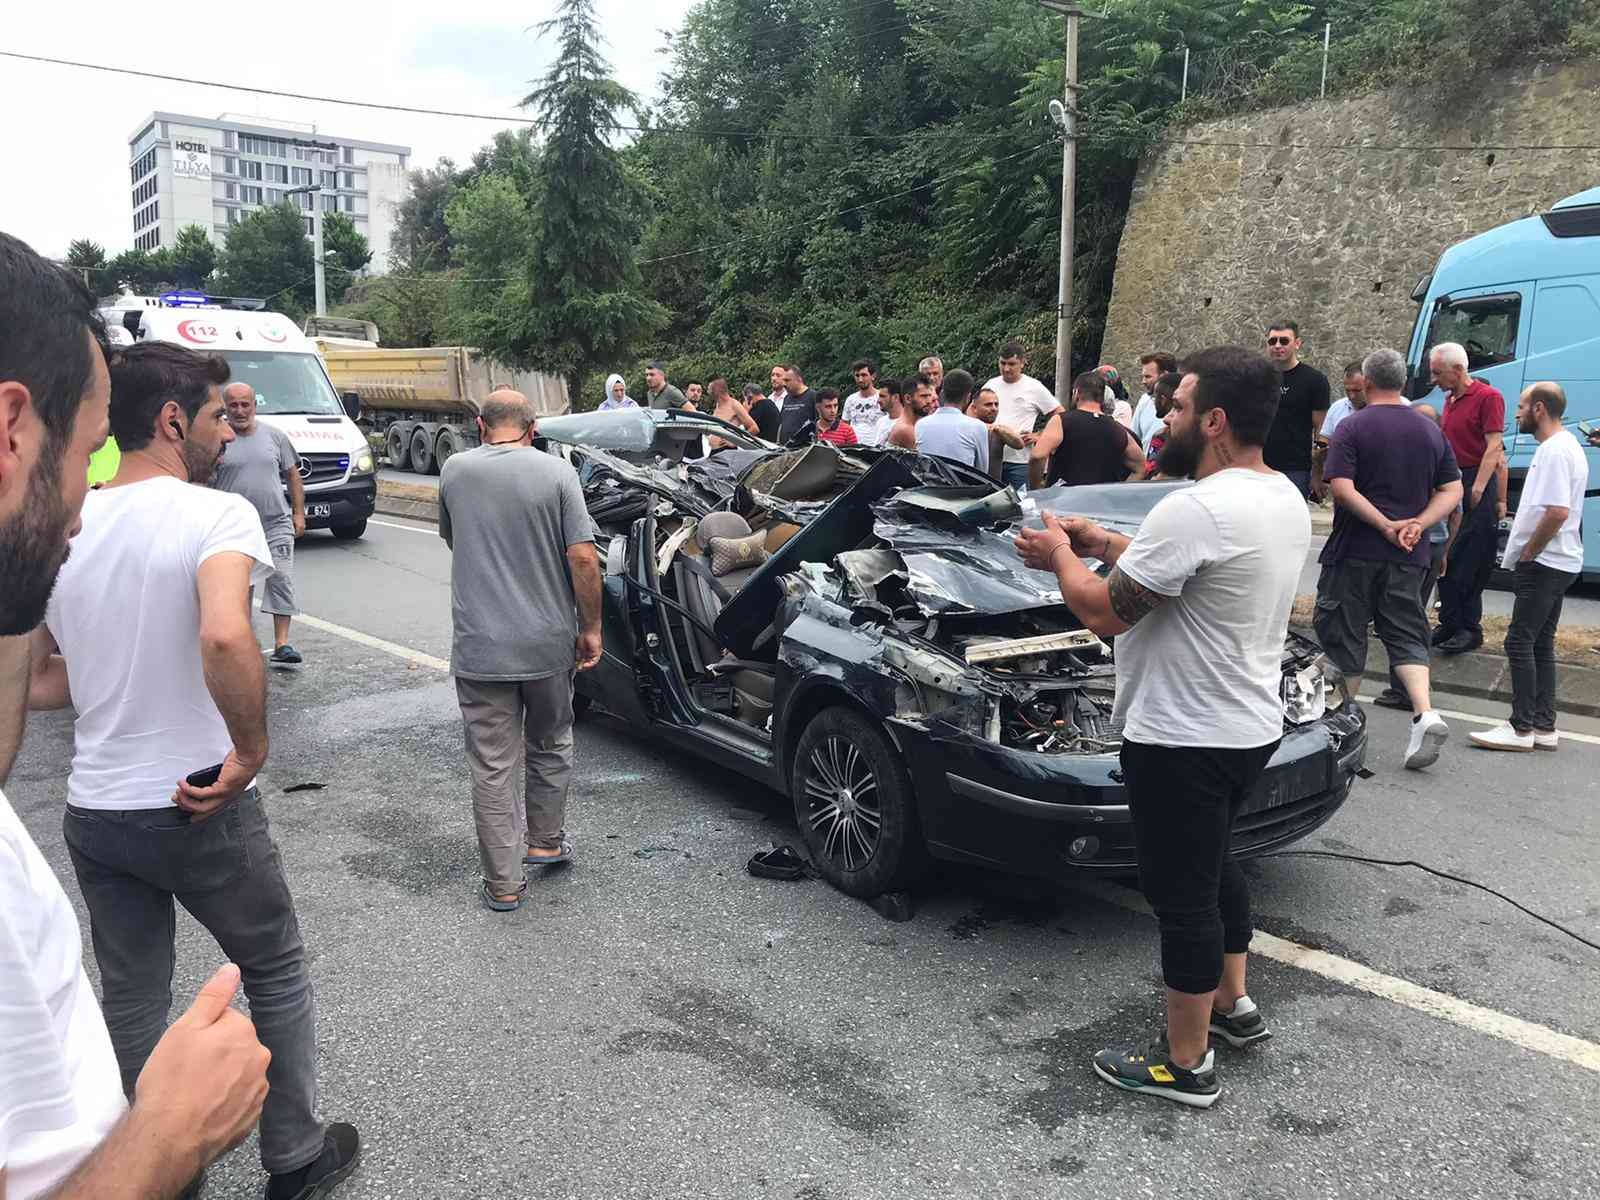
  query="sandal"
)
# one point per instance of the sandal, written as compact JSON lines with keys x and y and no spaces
{"x":494,"y":903}
{"x":549,"y":860}
{"x":779,"y":863}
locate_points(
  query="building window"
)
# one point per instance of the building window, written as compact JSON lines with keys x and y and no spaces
{"x":350,"y":156}
{"x":229,"y":139}
{"x":144,"y":165}
{"x":347,"y":180}
{"x":277,"y":173}
{"x":250,"y":195}
{"x":249,"y":170}
{"x":311,"y":229}
{"x":303,"y":201}
{"x":328,"y":179}
{"x":230,"y":191}
{"x":330,"y":204}
{"x":302,"y":176}
{"x":349,"y":204}
{"x":274,"y":196}
{"x":233,"y":216}
{"x":230,"y":166}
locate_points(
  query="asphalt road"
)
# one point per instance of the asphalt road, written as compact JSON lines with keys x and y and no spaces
{"x":656,"y":1023}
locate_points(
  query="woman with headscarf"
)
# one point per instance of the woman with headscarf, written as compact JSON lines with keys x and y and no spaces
{"x":616,"y":395}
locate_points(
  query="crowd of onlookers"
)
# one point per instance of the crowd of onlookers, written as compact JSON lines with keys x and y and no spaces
{"x":1418,"y":503}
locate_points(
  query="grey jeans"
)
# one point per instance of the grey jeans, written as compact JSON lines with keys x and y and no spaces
{"x":226,"y":871}
{"x":1531,"y":644}
{"x":507,"y":724}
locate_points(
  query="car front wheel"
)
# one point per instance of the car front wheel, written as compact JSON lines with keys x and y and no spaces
{"x":854,"y":805}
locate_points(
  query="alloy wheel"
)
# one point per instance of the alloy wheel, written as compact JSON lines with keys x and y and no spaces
{"x":842,"y":802}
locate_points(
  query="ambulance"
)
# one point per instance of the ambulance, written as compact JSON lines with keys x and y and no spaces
{"x":293,"y":392}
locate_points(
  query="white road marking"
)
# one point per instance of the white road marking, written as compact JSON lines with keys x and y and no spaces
{"x":408,"y":528}
{"x":1539,"y":1038}
{"x":1480,"y":719}
{"x":375,"y":643}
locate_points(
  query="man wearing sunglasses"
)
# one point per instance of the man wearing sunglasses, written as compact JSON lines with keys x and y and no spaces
{"x":1302,"y":404}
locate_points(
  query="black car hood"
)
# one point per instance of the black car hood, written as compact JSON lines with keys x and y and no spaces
{"x":957,"y":545}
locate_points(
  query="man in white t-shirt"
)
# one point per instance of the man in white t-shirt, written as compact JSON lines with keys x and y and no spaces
{"x":1024,"y":401}
{"x":862,"y":406}
{"x":1545,"y":555}
{"x":1146,"y":421}
{"x":173,"y":563}
{"x":1199,"y":602}
{"x":65,"y":1129}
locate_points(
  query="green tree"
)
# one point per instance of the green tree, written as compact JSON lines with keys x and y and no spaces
{"x":268,"y":255}
{"x":140,"y":271}
{"x":420,"y":234}
{"x":84,"y":254}
{"x":193,"y":257}
{"x":583,"y":305}
{"x":345,"y":251}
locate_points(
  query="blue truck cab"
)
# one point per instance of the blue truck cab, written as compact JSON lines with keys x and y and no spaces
{"x":1524,"y":299}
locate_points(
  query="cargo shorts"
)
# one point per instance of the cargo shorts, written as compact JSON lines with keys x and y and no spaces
{"x":1354,"y":593}
{"x":277,"y":594}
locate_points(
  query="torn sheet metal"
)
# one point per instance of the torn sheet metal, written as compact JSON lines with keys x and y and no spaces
{"x":1009,"y":649}
{"x":963,"y":569}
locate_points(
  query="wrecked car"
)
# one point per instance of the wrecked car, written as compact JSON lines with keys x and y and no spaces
{"x":855,"y":629}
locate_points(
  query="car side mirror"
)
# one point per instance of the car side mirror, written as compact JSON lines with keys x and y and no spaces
{"x":1418,"y":385}
{"x":352,"y":405}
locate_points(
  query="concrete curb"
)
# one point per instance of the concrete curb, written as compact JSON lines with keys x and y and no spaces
{"x":1480,"y":675}
{"x":414,"y":501}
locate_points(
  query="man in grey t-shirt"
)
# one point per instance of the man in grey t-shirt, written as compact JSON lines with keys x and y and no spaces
{"x":258,"y":464}
{"x":525,"y":605}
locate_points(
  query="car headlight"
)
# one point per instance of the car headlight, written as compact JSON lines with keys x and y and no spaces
{"x":1305,"y":695}
{"x":363,"y":464}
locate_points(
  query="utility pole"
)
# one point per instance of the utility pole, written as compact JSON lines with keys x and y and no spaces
{"x":1069,"y":190}
{"x":314,"y":190}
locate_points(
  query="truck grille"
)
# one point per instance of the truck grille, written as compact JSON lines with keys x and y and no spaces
{"x":323,"y":468}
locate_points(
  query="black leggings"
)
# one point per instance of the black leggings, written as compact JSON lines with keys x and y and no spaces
{"x":1183,"y":800}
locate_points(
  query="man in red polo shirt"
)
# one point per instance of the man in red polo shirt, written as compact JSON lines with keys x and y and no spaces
{"x":830,"y":428}
{"x":1474,"y":423}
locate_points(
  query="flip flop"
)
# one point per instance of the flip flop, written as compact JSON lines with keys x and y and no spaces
{"x":494,"y":903}
{"x":779,"y":863}
{"x":550,"y":860}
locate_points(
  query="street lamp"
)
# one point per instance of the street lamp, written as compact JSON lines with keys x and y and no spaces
{"x":314,"y":190}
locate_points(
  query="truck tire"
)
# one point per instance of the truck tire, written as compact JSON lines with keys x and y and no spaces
{"x":398,"y":447}
{"x":448,"y":442}
{"x":422,"y":458}
{"x":350,"y":532}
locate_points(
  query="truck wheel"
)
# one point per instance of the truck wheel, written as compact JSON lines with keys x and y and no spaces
{"x":422,"y":460}
{"x":448,"y":443}
{"x":854,"y":805}
{"x":398,"y":447}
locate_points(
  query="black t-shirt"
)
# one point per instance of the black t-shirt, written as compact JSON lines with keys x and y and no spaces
{"x":1304,"y":391}
{"x":799,"y":415}
{"x":1397,"y":459}
{"x":1091,"y":450}
{"x":767,"y":418}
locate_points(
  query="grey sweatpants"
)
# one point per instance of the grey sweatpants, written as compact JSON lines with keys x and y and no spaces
{"x":505,"y":722}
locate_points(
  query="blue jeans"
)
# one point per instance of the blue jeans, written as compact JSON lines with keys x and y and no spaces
{"x":1014,"y":474}
{"x":226,"y":871}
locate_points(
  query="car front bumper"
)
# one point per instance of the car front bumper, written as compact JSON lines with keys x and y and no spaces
{"x":349,"y":503}
{"x":1042,"y":814}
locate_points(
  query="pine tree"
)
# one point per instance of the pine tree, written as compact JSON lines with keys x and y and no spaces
{"x":585,"y":306}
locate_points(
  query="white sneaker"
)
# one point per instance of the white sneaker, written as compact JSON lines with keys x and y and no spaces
{"x":1503,"y":737}
{"x":1428,"y":735}
{"x":1546,"y":741}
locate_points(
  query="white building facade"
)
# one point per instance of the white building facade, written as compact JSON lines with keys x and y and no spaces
{"x":211,"y":172}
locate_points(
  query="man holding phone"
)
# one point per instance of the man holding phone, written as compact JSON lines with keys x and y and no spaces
{"x":174,"y":563}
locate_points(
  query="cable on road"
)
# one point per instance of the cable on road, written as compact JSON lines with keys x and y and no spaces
{"x":1411,"y":862}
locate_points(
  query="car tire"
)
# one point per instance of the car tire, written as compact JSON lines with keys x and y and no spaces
{"x":840,"y":754}
{"x":350,"y":532}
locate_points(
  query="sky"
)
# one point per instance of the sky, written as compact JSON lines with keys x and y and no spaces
{"x":64,"y":136}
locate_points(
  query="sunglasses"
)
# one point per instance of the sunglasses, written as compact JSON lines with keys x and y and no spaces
{"x":1279,"y":341}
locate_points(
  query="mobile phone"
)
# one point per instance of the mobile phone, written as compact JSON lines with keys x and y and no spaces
{"x":1586,"y":428}
{"x":206,"y":778}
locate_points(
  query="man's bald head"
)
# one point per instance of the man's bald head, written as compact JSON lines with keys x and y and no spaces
{"x":506,"y":411}
{"x":239,"y":402}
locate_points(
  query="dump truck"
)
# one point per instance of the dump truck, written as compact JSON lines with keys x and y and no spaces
{"x":418,"y":405}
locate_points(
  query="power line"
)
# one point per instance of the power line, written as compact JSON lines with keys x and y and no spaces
{"x":775,"y":135}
